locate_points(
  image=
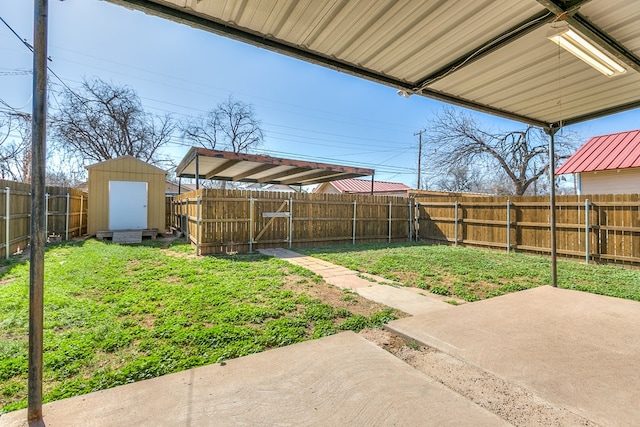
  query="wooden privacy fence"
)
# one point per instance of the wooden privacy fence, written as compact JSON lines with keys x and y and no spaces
{"x":66,"y":214}
{"x":222,"y":221}
{"x":600,"y":228}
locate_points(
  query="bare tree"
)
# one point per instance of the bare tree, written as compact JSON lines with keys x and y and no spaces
{"x":101,"y":121}
{"x":522,"y":156}
{"x":15,"y":146}
{"x":460,"y":179}
{"x":231,"y":126}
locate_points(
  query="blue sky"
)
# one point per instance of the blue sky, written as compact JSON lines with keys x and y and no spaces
{"x":307,"y":111}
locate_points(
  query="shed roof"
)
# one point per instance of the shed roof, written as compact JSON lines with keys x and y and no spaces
{"x":228,"y":166}
{"x":490,"y":55}
{"x":605,"y":152}
{"x":126,"y":159}
{"x":364,"y":186}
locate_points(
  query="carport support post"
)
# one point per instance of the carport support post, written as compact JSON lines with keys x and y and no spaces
{"x":197,"y":172}
{"x":551,"y":131}
{"x":38,"y":211}
{"x":587,"y":226}
{"x":7,"y":192}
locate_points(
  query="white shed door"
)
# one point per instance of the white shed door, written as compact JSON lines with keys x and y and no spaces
{"x":127,"y":205}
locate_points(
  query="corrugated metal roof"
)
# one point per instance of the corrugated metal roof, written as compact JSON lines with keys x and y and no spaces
{"x":605,"y":152}
{"x":492,"y":55}
{"x":353,"y":186}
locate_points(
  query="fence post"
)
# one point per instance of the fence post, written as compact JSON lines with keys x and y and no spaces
{"x":7,"y":192}
{"x":416,"y":218}
{"x":172,"y":215}
{"x":508,"y":225}
{"x":46,"y":217}
{"x":81,"y":207}
{"x":410,"y":223}
{"x":455,"y":224}
{"x":389,"y":221}
{"x":250,"y":224}
{"x":66,"y":225}
{"x":353,"y":237}
{"x":587,"y":236}
{"x":186,"y":218}
{"x":198,"y":225}
{"x":290,"y":221}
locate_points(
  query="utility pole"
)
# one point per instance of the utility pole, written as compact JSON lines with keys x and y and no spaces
{"x":419,"y":134}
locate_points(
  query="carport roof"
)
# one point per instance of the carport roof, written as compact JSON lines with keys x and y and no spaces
{"x":228,"y":166}
{"x":490,"y":55}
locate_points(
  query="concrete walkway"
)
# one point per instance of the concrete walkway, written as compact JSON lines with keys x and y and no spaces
{"x":574,"y":349}
{"x":410,"y":300}
{"x":341,"y":380}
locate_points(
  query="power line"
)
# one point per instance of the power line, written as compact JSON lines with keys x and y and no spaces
{"x":24,"y":42}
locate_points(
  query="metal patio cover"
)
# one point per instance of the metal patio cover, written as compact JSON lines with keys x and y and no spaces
{"x":490,"y":55}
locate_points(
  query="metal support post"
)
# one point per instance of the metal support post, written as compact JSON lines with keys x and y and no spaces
{"x":508,"y":226}
{"x":587,"y":234}
{"x":7,"y":192}
{"x":455,"y":223}
{"x":551,"y":131}
{"x":66,"y":225}
{"x":197,"y":172}
{"x":38,"y":211}
{"x":353,"y":237}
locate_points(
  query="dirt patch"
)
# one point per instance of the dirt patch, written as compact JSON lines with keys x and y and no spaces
{"x":509,"y":401}
{"x":5,"y":281}
{"x":335,"y":297}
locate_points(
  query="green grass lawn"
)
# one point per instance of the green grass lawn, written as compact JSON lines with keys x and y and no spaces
{"x":474,"y":274}
{"x":118,"y":314}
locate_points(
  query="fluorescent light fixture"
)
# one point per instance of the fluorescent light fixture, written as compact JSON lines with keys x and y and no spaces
{"x":570,"y":40}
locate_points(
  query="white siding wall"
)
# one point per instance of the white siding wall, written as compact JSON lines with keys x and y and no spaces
{"x":620,"y":181}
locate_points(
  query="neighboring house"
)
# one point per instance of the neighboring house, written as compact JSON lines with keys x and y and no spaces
{"x":607,"y":164}
{"x":273,"y":187}
{"x":171,"y":188}
{"x":362,"y":186}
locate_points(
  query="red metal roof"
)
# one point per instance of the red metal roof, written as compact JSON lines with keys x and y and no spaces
{"x":605,"y":152}
{"x":364,"y":186}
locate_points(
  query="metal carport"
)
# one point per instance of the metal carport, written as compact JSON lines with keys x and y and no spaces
{"x":202,"y":163}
